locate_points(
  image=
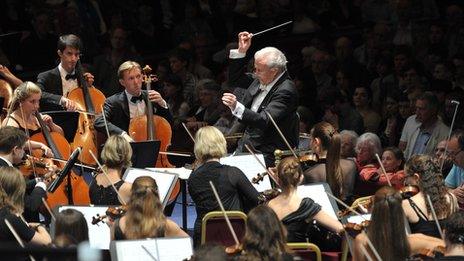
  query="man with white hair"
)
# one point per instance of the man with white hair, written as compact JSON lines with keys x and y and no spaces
{"x":270,"y":90}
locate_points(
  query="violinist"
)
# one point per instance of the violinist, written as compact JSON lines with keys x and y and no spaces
{"x":387,"y":233}
{"x":120,"y":108}
{"x":393,"y":161}
{"x":70,"y":228}
{"x":422,"y":170}
{"x":58,"y":82}
{"x":116,"y":157}
{"x":12,"y":145}
{"x":12,"y":206}
{"x":144,"y":217}
{"x":265,"y":237}
{"x":339,"y":173}
{"x":454,"y":237}
{"x":234,"y":189}
{"x":295,"y":212}
{"x":24,"y":105}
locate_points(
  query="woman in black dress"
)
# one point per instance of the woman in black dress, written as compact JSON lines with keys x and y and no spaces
{"x":234,"y":188}
{"x":116,"y":156}
{"x":296,"y":212}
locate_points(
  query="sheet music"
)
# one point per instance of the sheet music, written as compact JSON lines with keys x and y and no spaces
{"x":99,"y":235}
{"x":163,"y":249}
{"x":317,"y":193}
{"x":182,"y":172}
{"x":249,"y":166}
{"x":358,"y":219}
{"x":164,"y":180}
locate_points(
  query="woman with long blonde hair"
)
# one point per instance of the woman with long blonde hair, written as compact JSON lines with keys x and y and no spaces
{"x":22,"y":114}
{"x":144,"y":217}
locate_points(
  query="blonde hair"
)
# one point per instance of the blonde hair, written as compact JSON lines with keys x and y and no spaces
{"x":209,"y":144}
{"x":14,"y":186}
{"x":116,"y":153}
{"x":127,"y":66}
{"x":145,"y":216}
{"x":22,"y":92}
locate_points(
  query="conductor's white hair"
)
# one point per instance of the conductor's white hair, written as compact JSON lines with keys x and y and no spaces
{"x":274,"y":58}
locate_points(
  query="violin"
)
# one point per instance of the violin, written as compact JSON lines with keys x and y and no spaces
{"x":364,"y":205}
{"x":40,"y":166}
{"x":112,"y":213}
{"x":353,"y":229}
{"x":409,"y":191}
{"x":267,"y":195}
{"x":428,"y":254}
{"x":233,"y":250}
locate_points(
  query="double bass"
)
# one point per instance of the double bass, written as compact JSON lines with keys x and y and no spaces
{"x":89,"y":101}
{"x":62,"y":150}
{"x":154,"y":127}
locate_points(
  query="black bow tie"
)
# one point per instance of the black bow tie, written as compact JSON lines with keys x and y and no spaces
{"x":134,"y":99}
{"x":71,"y":77}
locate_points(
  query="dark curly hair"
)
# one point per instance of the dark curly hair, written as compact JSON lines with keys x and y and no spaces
{"x":430,"y":183}
{"x":454,"y":229}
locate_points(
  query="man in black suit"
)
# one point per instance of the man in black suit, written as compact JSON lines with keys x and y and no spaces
{"x":270,"y":91}
{"x":120,"y":108}
{"x":58,"y":82}
{"x":12,"y":144}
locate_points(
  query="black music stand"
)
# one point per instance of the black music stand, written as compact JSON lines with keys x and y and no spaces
{"x":67,"y":120}
{"x":65,"y":172}
{"x":145,"y":153}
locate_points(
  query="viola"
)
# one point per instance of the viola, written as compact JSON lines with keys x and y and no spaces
{"x":112,"y":213}
{"x":364,"y":205}
{"x":428,"y":254}
{"x":90,"y":100}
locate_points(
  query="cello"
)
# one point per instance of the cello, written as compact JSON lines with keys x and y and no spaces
{"x":154,"y":127}
{"x":61,"y":150}
{"x":90,"y":100}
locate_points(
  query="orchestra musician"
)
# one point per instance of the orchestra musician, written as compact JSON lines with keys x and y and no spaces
{"x":144,"y":217}
{"x":235,"y":190}
{"x":12,"y":191}
{"x":271,"y":92}
{"x":120,"y":108}
{"x":58,"y":82}
{"x":12,"y":145}
{"x":70,"y":228}
{"x":339,"y":173}
{"x":454,"y":237}
{"x":116,"y":157}
{"x":423,"y":171}
{"x":387,"y":232}
{"x":296,"y":212}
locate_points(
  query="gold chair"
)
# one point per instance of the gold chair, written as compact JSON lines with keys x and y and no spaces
{"x":214,"y":227}
{"x":306,"y":250}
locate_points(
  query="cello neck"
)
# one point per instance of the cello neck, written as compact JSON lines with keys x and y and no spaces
{"x":48,"y":137}
{"x":150,"y":125}
{"x":85,"y":88}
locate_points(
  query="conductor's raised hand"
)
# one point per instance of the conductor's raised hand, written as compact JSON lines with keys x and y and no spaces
{"x":229,"y":100}
{"x":244,"y":41}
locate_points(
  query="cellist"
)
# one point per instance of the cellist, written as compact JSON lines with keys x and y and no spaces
{"x":120,"y":108}
{"x":24,"y":105}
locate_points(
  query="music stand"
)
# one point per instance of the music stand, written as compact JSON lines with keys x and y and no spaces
{"x":145,"y":153}
{"x":67,"y":120}
{"x":165,"y":181}
{"x":165,"y":249}
{"x":65,"y":173}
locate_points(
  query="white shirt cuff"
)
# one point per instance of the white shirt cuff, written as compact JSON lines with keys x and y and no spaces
{"x":165,"y":104}
{"x":239,"y":110}
{"x":41,"y":185}
{"x":235,"y":54}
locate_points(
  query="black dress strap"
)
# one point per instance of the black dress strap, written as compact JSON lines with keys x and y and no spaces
{"x":417,"y":210}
